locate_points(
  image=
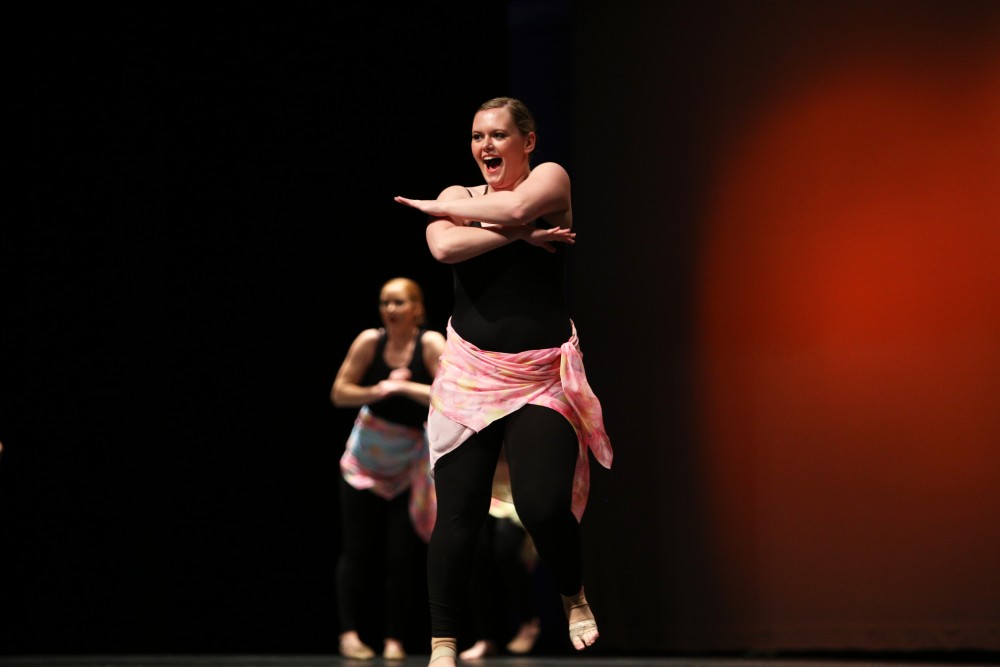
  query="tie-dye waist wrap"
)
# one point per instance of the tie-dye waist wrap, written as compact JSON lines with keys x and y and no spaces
{"x":388,"y":459}
{"x":475,"y":387}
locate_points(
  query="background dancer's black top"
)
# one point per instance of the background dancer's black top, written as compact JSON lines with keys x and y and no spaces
{"x":398,"y":409}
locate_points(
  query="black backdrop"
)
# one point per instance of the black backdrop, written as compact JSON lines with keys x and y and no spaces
{"x":199,"y":218}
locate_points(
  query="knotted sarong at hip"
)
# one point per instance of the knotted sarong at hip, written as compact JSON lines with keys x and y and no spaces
{"x":475,"y":387}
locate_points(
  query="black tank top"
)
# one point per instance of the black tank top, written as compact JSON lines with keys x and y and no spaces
{"x":512,"y":298}
{"x":398,"y":409}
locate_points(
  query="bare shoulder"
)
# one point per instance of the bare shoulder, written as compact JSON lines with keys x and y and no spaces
{"x":359,"y":356}
{"x":371,"y":334}
{"x":433,"y":342}
{"x":366,"y":340}
{"x":432,"y":338}
{"x":550,"y":170}
{"x":549,"y":181}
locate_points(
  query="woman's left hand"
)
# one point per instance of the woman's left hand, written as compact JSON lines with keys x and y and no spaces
{"x":544,"y":238}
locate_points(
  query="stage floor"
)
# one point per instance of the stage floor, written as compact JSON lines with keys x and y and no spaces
{"x":505,"y":661}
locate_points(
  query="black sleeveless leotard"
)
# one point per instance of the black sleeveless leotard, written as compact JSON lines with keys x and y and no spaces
{"x":512,"y":298}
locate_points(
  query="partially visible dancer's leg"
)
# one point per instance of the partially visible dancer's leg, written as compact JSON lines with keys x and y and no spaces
{"x":542,"y":449}
{"x":399,"y":583}
{"x":481,"y":596}
{"x":510,"y":544}
{"x":362,"y":517}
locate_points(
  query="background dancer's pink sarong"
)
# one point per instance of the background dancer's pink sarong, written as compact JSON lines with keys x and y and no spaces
{"x":388,"y":459}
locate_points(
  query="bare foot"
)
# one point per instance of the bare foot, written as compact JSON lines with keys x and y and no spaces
{"x":393,"y":650}
{"x":525,"y":638}
{"x":481,"y":649}
{"x":351,"y":646}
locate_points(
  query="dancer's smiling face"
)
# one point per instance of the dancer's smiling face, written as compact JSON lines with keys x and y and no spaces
{"x":500,"y":149}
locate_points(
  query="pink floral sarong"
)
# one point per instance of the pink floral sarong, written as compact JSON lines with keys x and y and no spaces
{"x":474,"y":388}
{"x":388,"y":459}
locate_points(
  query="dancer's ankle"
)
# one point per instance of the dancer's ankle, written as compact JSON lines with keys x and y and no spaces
{"x":444,"y":650}
{"x":576,"y":600}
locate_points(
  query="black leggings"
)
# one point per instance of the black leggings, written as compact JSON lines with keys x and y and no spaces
{"x":541,"y":449}
{"x":375,"y":532}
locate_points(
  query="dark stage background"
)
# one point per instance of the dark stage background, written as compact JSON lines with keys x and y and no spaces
{"x":203,"y":219}
{"x":785,"y":283}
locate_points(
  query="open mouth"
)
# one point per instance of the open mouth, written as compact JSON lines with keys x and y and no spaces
{"x":492,"y":163}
